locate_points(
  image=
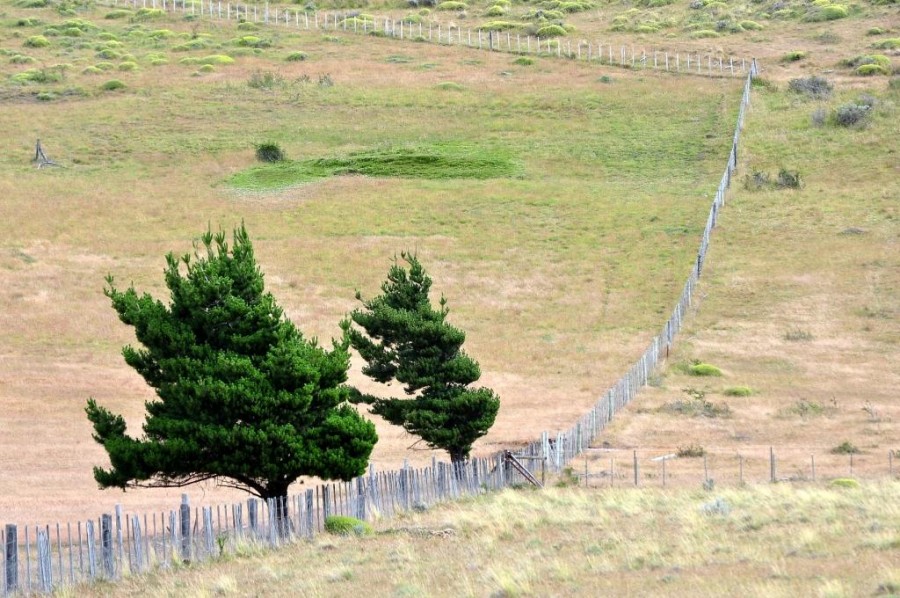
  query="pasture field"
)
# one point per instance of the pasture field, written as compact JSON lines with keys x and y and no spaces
{"x":559,"y":273}
{"x":758,"y":541}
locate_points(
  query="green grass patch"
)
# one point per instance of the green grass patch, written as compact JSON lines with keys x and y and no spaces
{"x":450,"y":86}
{"x":112,"y":85}
{"x":347,"y":526}
{"x":794,"y":56}
{"x":413,"y":162}
{"x":296,"y":56}
{"x":703,"y":369}
{"x":452,"y":5}
{"x":36,"y":41}
{"x":524,"y":61}
{"x":738,"y":391}
{"x":892,"y":43}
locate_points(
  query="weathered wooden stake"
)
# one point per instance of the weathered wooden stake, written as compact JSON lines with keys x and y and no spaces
{"x":12,"y":559}
{"x":185,"y":523}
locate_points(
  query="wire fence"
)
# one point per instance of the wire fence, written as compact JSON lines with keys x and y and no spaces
{"x":594,"y":51}
{"x":43,"y":559}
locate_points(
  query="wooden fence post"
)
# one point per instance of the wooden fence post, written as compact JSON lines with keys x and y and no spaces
{"x":635,"y":469}
{"x":106,"y":547}
{"x":185,"y":521}
{"x":137,"y":540}
{"x":310,"y":512}
{"x":45,"y":561}
{"x":252,"y":517}
{"x":771,"y":464}
{"x":11,"y":559}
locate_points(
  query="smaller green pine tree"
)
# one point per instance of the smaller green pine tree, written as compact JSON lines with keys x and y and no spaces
{"x":402,"y":337}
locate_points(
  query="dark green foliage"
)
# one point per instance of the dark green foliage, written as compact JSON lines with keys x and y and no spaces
{"x":408,"y":341}
{"x":241,"y":396}
{"x":845,"y":448}
{"x":691,"y":451}
{"x":269,"y":152}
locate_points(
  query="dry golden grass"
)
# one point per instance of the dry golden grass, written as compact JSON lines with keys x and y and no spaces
{"x":771,"y":540}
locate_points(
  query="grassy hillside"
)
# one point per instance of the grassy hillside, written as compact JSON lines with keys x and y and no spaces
{"x":560,"y":270}
{"x":756,"y":541}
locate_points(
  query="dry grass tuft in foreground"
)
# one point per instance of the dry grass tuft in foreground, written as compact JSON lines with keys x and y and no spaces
{"x":766,"y":540}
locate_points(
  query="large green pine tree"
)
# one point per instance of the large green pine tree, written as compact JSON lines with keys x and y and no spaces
{"x":242,"y":397}
{"x":403,"y":338}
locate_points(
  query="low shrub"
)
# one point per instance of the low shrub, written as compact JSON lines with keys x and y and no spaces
{"x":158,"y":61}
{"x":704,"y":34}
{"x":495,"y":11}
{"x":524,"y":61}
{"x":161,"y":34}
{"x":251,"y":41}
{"x":264,"y":80}
{"x":22,"y":59}
{"x":112,"y":85}
{"x":269,"y":152}
{"x":696,"y":405}
{"x":788,"y":180}
{"x":751,"y":26}
{"x":36,"y":76}
{"x":703,"y":369}
{"x":199,"y":43}
{"x":551,"y":31}
{"x":207,"y":68}
{"x":36,"y":41}
{"x":452,"y":5}
{"x":109,"y":54}
{"x":845,"y":448}
{"x":217,"y":59}
{"x":247,"y":26}
{"x":691,"y":451}
{"x":814,"y":87}
{"x":888,"y":44}
{"x":449,"y":86}
{"x":844,"y":483}
{"x":797,"y":334}
{"x":868,"y":70}
{"x":147,"y":14}
{"x":864,"y":59}
{"x":119,"y":13}
{"x":346,"y":526}
{"x":28,"y":22}
{"x":128,"y":66}
{"x":875,"y":31}
{"x":804,"y":409}
{"x":105,"y":66}
{"x":851,"y":114}
{"x":738,"y":391}
{"x":794,"y":56}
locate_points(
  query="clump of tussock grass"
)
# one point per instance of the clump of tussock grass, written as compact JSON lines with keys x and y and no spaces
{"x":738,"y":391}
{"x":113,"y":85}
{"x":803,"y":408}
{"x":450,"y":86}
{"x":703,"y":369}
{"x":296,"y":56}
{"x":794,"y":56}
{"x":690,"y":451}
{"x":695,"y":404}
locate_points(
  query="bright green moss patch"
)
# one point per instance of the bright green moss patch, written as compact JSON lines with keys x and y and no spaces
{"x":347,"y":526}
{"x":415,"y":162}
{"x":704,"y":369}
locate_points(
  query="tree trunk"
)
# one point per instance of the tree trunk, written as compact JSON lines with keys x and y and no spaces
{"x":458,"y":458}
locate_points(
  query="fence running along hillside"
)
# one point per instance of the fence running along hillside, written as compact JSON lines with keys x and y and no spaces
{"x":45,"y":558}
{"x":686,"y":62}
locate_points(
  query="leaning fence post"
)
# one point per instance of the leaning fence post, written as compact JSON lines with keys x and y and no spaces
{"x":185,"y":512}
{"x":106,"y":546}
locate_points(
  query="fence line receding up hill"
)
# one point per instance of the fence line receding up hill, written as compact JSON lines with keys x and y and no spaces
{"x":686,"y":62}
{"x":46,"y":558}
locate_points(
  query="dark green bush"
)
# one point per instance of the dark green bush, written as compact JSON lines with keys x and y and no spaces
{"x":112,"y":85}
{"x":269,"y":152}
{"x":845,"y":448}
{"x":788,"y":180}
